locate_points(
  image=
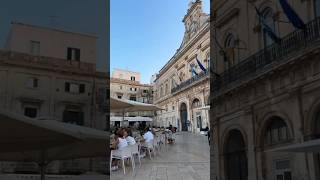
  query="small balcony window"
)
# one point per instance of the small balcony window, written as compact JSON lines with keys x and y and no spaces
{"x":35,"y":47}
{"x":73,"y":54}
{"x":32,"y":82}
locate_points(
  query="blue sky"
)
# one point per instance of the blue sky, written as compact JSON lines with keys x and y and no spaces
{"x":85,"y":16}
{"x":146,"y":33}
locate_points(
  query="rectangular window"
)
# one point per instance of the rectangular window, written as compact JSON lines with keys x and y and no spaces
{"x":32,"y":82}
{"x":82,"y":88}
{"x":73,"y":117}
{"x":30,"y":112}
{"x":35,"y":47}
{"x":75,"y":88}
{"x":282,"y":170}
{"x":133,"y":98}
{"x":133,"y":78}
{"x":73,"y":54}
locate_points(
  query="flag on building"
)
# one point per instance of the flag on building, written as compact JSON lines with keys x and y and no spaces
{"x":266,"y":28}
{"x":194,"y":73}
{"x":292,"y":15}
{"x":200,"y":65}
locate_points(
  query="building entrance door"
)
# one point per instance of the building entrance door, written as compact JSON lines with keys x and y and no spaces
{"x":184,"y":117}
{"x":235,"y":157}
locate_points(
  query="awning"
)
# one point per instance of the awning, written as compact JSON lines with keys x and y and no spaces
{"x":131,"y":106}
{"x":131,"y":119}
{"x":311,"y":146}
{"x":204,"y":108}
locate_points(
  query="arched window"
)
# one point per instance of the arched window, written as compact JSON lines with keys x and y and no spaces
{"x":207,"y":61}
{"x":268,"y":14}
{"x":161,"y":91}
{"x":167,"y":89}
{"x":229,"y":51}
{"x":196,"y":103}
{"x":317,"y":125}
{"x":277,"y":132}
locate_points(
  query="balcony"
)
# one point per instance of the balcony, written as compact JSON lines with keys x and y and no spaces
{"x":293,"y":44}
{"x":190,"y":82}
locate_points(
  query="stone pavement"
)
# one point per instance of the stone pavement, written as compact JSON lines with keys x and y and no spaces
{"x":187,"y":159}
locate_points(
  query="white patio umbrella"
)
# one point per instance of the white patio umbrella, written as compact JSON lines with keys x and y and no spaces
{"x":125,"y":105}
{"x":139,"y":106}
{"x":311,"y":146}
{"x":118,"y":104}
{"x":42,"y":141}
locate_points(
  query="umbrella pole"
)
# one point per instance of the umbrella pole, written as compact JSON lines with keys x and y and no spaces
{"x":43,"y":167}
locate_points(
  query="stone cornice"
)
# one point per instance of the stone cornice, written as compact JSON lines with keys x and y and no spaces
{"x":128,"y":82}
{"x":9,"y":58}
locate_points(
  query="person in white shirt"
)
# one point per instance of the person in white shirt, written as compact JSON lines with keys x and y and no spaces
{"x":148,"y":136}
{"x":129,"y":138}
{"x":121,"y":143}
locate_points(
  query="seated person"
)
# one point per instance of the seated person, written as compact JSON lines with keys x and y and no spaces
{"x":128,"y":136}
{"x":120,"y":143}
{"x":148,"y":135}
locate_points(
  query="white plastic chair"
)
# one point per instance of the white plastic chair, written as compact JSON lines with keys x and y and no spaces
{"x":135,"y":150}
{"x":123,"y":154}
{"x":163,"y":140}
{"x":155,"y":144}
{"x":150,"y":148}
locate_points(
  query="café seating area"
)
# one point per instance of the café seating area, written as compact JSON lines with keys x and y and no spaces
{"x":132,"y":154}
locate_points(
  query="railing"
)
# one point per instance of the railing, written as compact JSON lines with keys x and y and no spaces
{"x":294,"y":42}
{"x":190,"y":81}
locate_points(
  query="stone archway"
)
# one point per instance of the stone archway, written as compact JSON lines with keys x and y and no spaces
{"x":236,"y":162}
{"x":316,"y":135}
{"x":196,"y":114}
{"x":184,"y":117}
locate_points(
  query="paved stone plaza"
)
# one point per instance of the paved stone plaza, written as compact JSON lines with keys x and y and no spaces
{"x":188,"y":159}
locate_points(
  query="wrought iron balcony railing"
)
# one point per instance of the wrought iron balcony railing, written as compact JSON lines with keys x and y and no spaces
{"x":190,"y":81}
{"x":292,"y":44}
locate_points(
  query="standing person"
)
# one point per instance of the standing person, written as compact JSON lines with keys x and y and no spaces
{"x":208,"y":134}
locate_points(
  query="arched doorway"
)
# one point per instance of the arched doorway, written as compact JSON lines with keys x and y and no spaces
{"x":184,"y":117}
{"x":236,"y":167}
{"x":196,"y":114}
{"x":316,"y":135}
{"x":276,"y":132}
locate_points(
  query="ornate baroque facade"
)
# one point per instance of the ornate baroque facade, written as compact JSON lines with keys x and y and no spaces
{"x":178,"y":90}
{"x":267,"y":94}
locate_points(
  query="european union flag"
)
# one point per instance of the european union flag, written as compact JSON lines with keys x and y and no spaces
{"x":193,"y":71}
{"x":292,"y":15}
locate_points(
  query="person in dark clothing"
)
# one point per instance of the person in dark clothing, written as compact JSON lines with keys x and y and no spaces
{"x":208,"y":133}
